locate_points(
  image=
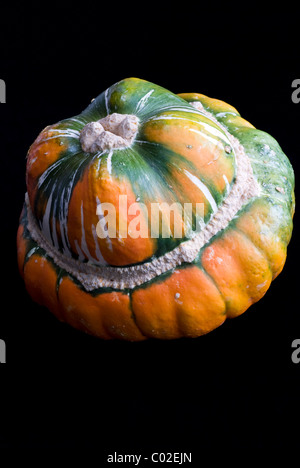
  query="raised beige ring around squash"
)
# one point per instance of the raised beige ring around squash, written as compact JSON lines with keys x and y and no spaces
{"x":93,"y":277}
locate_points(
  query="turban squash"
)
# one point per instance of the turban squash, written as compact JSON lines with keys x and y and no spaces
{"x":141,"y":142}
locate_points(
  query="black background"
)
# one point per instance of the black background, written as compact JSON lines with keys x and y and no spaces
{"x":236,"y":387}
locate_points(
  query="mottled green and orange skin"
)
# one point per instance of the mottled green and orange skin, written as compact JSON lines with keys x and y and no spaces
{"x":173,"y":140}
{"x":231,"y":272}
